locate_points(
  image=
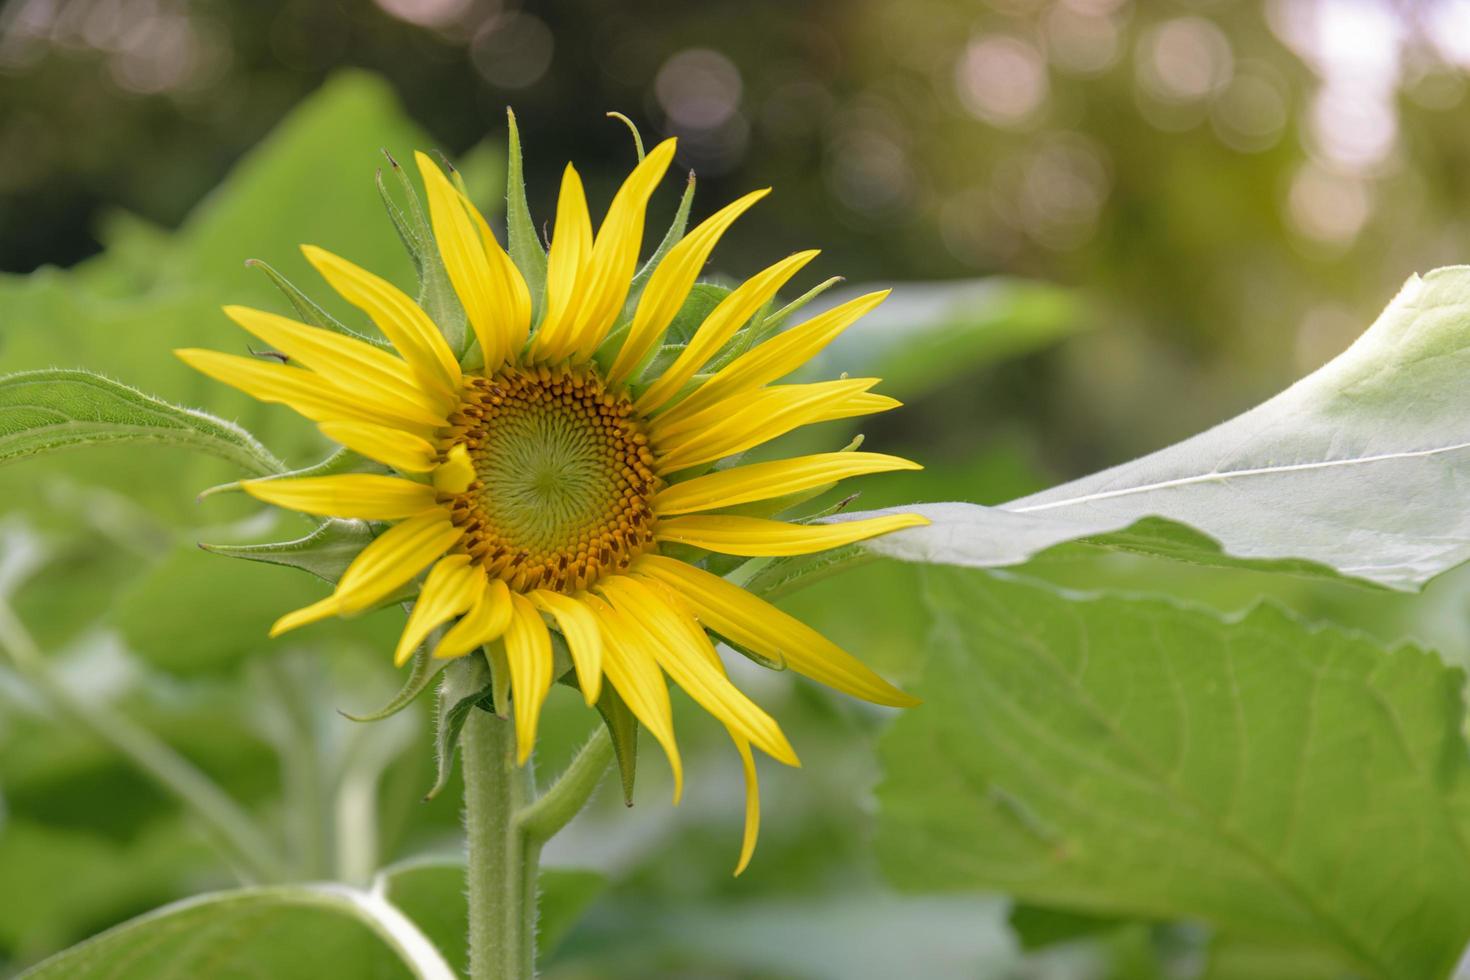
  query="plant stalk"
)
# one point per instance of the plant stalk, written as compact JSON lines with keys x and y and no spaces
{"x":503,"y":860}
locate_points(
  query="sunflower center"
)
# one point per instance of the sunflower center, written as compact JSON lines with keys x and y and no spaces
{"x":563,"y":477}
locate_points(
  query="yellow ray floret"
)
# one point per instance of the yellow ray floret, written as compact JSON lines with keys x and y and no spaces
{"x":614,"y":256}
{"x":490,"y":288}
{"x":755,"y":536}
{"x":399,"y":318}
{"x":777,"y":357}
{"x":362,"y":371}
{"x":453,"y":585}
{"x":635,"y":674}
{"x":571,"y":246}
{"x":403,"y":451}
{"x":776,"y":478}
{"x":364,"y":496}
{"x":722,"y":323}
{"x":761,"y":417}
{"x":381,"y":568}
{"x":679,"y":651}
{"x":528,"y":650}
{"x":304,"y":391}
{"x":670,"y":283}
{"x":486,"y":621}
{"x":739,"y":616}
{"x":583,"y":635}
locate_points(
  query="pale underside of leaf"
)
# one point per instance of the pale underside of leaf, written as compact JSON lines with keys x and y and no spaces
{"x":1360,"y":467}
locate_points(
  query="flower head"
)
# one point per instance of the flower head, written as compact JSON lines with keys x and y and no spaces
{"x":541,"y":480}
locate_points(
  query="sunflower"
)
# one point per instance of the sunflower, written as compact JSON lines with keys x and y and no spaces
{"x":546,"y":482}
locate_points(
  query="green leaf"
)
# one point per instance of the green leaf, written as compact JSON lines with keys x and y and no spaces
{"x":1232,"y":959}
{"x":522,"y":243}
{"x":302,"y":931}
{"x":1138,"y":758}
{"x":1317,"y":474}
{"x":1037,"y":927}
{"x":48,"y":411}
{"x":464,"y":685}
{"x":432,"y":893}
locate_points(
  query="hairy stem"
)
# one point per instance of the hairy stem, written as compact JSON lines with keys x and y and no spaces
{"x":573,"y":788}
{"x":226,"y":822}
{"x":502,"y":859}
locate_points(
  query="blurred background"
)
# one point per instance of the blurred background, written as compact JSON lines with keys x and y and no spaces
{"x":1148,"y":216}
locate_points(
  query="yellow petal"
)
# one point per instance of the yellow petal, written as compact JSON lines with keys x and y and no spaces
{"x":361,"y":370}
{"x":395,"y":557}
{"x":725,"y":430}
{"x":730,"y":534}
{"x":571,"y":245}
{"x":742,"y":618}
{"x":399,"y":318}
{"x":365,"y":496}
{"x":579,"y":626}
{"x":486,"y":621}
{"x":614,"y":257}
{"x":451,"y":587}
{"x":528,"y":649}
{"x":670,"y":283}
{"x":752,"y":806}
{"x":721,"y":324}
{"x":318,"y":610}
{"x":490,"y":288}
{"x":764,"y":481}
{"x":404,"y":451}
{"x":634,"y":672}
{"x":307,"y":392}
{"x":684,"y":652}
{"x":778,"y":356}
{"x":456,"y":473}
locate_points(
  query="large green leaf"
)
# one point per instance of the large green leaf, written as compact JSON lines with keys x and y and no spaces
{"x":1134,"y":757}
{"x":283,"y":933}
{"x":48,"y":411}
{"x":1356,"y":468}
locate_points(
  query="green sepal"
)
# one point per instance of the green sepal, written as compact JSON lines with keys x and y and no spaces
{"x":325,"y":552}
{"x":774,"y":578}
{"x":464,"y":685}
{"x":622,"y":725}
{"x":344,"y":460}
{"x":307,"y":308}
{"x":436,"y":294}
{"x":422,"y":669}
{"x":522,"y":243}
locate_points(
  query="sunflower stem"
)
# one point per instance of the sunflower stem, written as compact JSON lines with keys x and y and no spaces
{"x":503,"y":860}
{"x":541,"y":820}
{"x":227,"y":824}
